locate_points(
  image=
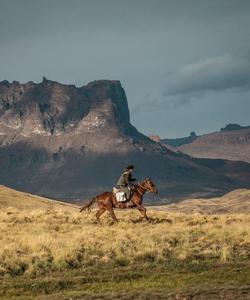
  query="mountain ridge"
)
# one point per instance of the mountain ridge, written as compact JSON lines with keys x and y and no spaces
{"x":230,"y":145}
{"x":231,"y":142}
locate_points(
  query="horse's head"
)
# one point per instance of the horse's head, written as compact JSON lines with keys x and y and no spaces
{"x":149,"y":186}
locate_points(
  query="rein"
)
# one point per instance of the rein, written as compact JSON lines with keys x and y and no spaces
{"x":141,"y":193}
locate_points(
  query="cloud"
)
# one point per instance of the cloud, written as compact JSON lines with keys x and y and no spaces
{"x":212,"y":74}
{"x":223,"y":73}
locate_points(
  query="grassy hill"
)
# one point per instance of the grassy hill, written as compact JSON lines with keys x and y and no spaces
{"x":237,"y":201}
{"x":10,"y":198}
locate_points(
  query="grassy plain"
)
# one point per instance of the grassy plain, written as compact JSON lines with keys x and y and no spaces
{"x":54,"y":252}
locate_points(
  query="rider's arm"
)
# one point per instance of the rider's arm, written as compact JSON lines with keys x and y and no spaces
{"x":131,"y":179}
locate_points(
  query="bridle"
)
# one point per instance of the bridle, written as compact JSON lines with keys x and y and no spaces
{"x":150,"y":187}
{"x":145,"y":189}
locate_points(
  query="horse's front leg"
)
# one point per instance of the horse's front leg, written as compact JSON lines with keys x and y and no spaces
{"x":143,"y":211}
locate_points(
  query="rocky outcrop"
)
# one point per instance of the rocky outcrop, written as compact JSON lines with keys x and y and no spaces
{"x":180,"y":141}
{"x":231,"y":127}
{"x":70,"y":142}
{"x":155,"y":138}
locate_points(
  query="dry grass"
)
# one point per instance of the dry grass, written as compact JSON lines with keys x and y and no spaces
{"x":39,"y":242}
{"x":40,"y":236}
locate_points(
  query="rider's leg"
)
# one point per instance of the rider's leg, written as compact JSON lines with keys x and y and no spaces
{"x":127,"y":193}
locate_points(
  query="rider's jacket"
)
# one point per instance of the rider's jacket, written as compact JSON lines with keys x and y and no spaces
{"x":125,"y":179}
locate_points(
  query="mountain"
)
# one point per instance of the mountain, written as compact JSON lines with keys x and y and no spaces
{"x":68,"y":142}
{"x":231,"y":143}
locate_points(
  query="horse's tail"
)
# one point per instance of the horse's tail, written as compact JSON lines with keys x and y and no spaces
{"x":87,"y":206}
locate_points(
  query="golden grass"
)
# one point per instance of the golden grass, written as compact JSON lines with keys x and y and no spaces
{"x":39,"y":235}
{"x":38,"y":241}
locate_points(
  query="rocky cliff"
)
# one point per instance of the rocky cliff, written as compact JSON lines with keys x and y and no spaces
{"x":57,"y":117}
{"x":72,"y":142}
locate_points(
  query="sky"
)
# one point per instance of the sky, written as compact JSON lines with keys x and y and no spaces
{"x":184,"y":64}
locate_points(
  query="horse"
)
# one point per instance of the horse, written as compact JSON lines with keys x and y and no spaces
{"x":107,"y":201}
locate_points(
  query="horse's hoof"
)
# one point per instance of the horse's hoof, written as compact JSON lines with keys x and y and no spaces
{"x":112,"y":223}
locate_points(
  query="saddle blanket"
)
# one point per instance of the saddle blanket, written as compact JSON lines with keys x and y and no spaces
{"x":120,"y":196}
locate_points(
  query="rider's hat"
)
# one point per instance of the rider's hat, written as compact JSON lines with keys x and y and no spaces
{"x":129,"y":167}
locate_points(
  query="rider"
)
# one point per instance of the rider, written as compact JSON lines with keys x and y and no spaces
{"x":125,"y":181}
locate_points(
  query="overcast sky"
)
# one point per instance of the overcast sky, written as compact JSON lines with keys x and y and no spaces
{"x":184,"y":64}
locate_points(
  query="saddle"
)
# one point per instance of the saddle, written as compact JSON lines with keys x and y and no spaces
{"x":123,"y":202}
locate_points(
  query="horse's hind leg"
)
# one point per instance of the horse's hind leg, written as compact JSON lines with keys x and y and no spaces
{"x":99,"y":213}
{"x":112,"y":213}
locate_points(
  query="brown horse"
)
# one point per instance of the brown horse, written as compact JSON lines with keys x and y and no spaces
{"x":107,"y":200}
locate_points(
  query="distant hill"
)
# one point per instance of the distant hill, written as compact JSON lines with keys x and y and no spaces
{"x":180,"y":141}
{"x":231,"y":143}
{"x":10,"y":198}
{"x":237,"y":201}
